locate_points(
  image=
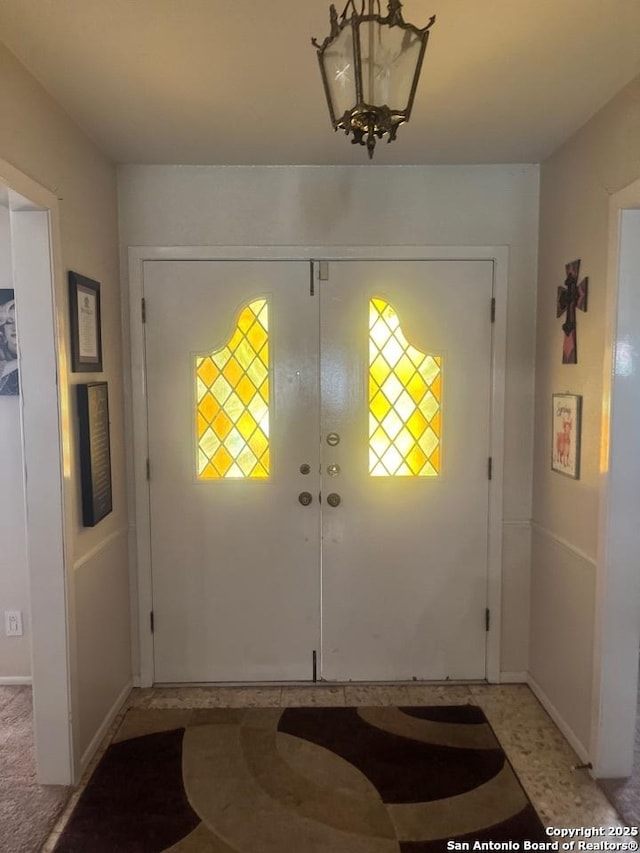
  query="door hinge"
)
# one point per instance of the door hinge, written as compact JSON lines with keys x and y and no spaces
{"x":490,"y":468}
{"x":493,"y":309}
{"x":152,"y":622}
{"x":143,"y":309}
{"x":314,"y":664}
{"x":487,"y":619}
{"x":148,"y":469}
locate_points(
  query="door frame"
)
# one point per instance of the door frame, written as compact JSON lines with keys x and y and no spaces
{"x":46,"y":427}
{"x":617,"y":611}
{"x":140,"y":523}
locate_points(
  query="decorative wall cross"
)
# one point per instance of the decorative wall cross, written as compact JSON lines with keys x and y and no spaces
{"x":571,"y":296}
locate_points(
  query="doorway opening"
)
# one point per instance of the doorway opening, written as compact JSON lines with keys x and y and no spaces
{"x":15,"y":655}
{"x":144,"y":264}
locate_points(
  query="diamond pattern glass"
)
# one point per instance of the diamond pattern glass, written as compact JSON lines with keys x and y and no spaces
{"x":404,"y":400}
{"x":232,"y":393}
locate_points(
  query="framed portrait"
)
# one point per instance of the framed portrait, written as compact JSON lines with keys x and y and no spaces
{"x":86,"y":332}
{"x":566,"y":424}
{"x":9,"y":376}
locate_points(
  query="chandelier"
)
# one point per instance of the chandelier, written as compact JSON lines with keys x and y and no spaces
{"x":370,"y":67}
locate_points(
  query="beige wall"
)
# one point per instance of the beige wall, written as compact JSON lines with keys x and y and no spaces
{"x":376,"y":206}
{"x":38,"y":138}
{"x":576,"y":184}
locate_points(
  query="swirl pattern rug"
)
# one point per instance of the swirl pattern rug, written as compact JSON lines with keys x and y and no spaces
{"x":301,"y":780}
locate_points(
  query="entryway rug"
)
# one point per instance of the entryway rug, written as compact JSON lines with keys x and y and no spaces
{"x":301,"y":780}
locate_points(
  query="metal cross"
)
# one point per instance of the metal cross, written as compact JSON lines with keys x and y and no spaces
{"x":571,"y":296}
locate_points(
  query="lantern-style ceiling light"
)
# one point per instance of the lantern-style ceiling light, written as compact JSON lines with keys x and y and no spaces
{"x":370,"y":67}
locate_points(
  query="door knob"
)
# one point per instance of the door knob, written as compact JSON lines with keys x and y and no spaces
{"x":333,"y":499}
{"x":305,"y":468}
{"x":305,"y":498}
{"x":333,"y":439}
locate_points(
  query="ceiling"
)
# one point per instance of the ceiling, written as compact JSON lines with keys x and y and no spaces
{"x":237,"y":81}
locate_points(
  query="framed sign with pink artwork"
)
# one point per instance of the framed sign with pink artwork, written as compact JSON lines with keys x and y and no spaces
{"x":565,"y":434}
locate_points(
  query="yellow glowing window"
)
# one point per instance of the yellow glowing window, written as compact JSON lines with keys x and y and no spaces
{"x":404,"y":400}
{"x":232,"y":393}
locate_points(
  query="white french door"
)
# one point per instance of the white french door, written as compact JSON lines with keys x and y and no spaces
{"x":235,"y":560}
{"x":318,"y":469}
{"x":404,"y":556}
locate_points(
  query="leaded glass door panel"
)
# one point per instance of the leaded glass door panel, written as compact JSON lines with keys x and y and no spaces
{"x":406,"y":386}
{"x":232,"y":366}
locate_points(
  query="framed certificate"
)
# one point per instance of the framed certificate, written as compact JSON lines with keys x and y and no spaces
{"x":86,"y":333}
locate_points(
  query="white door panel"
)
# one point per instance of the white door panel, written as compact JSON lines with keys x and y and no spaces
{"x":405,"y":558}
{"x":235,"y":563}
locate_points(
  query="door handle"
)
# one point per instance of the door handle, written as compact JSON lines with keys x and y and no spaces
{"x":333,"y":499}
{"x":305,"y":498}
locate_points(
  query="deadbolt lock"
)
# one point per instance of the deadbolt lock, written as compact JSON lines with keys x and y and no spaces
{"x":333,"y":499}
{"x":305,"y":498}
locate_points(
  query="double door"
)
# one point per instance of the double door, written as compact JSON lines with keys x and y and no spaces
{"x":318,"y":456}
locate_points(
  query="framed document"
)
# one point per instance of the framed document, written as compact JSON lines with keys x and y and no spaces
{"x":95,"y":452}
{"x":86,"y":333}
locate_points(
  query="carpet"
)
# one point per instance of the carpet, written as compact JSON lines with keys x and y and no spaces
{"x":28,"y":811}
{"x":301,"y":780}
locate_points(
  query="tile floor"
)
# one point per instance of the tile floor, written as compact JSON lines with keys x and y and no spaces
{"x":545,"y":763}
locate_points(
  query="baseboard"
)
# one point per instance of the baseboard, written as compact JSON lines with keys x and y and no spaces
{"x":513,"y":678}
{"x":104,"y":728}
{"x":557,"y":718}
{"x":8,"y":680}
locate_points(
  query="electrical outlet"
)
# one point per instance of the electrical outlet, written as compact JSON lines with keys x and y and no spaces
{"x":13,"y":623}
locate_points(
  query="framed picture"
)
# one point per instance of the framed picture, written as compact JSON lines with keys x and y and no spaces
{"x":95,"y":451}
{"x":86,"y":334}
{"x":9,"y":378}
{"x":566,"y":423}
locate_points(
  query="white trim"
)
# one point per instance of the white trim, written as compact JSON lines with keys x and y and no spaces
{"x":514,"y":678}
{"x":101,"y":546}
{"x":137,"y":255}
{"x":564,"y":543}
{"x":11,"y":680}
{"x":102,"y":732}
{"x":557,"y":718}
{"x":617,"y":601}
{"x":494,"y":553}
{"x":36,"y":194}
